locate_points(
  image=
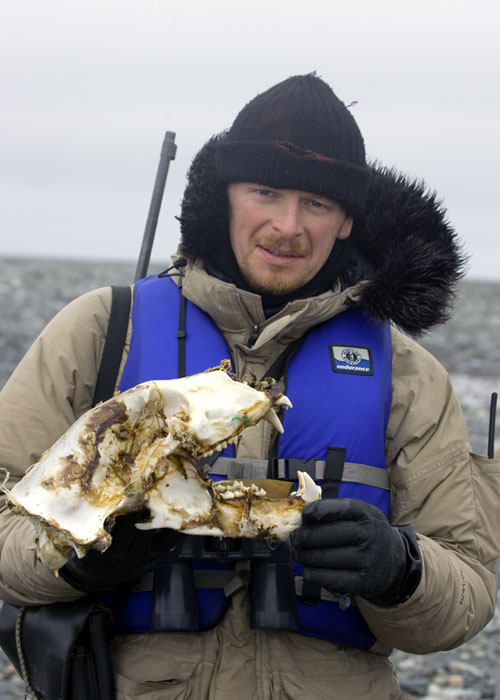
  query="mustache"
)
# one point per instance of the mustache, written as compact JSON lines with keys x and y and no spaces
{"x":284,"y":245}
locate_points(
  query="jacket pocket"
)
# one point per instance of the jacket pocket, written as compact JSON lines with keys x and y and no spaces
{"x":161,"y":667}
{"x":173,"y":689}
{"x":486,"y":484}
{"x":345,"y":688}
{"x":350,"y":674}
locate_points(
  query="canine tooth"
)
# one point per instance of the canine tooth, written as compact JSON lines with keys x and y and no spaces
{"x":273,"y":419}
{"x":283,"y":400}
{"x":308,"y":490}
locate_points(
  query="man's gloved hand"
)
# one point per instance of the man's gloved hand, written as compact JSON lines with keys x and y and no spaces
{"x":131,"y":554}
{"x":347,"y":546}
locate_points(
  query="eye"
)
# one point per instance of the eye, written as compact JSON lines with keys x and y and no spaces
{"x":263,"y":192}
{"x":317,"y":205}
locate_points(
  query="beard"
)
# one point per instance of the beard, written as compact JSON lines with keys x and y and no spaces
{"x":275,"y":279}
{"x":222,"y":263}
{"x":277,"y":283}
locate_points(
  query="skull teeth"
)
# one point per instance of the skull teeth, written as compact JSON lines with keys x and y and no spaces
{"x":273,"y":419}
{"x":308,"y":491}
{"x":283,"y":401}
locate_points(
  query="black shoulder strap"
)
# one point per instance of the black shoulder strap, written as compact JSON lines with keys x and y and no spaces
{"x":113,"y":346}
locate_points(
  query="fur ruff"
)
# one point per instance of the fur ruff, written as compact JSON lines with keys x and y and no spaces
{"x":414,"y":254}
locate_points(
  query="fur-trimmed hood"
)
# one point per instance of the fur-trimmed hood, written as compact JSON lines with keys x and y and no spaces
{"x":411,"y":256}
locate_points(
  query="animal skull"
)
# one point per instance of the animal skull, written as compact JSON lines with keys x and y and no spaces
{"x":141,"y":449}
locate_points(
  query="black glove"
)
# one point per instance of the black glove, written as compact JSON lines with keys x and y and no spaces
{"x":347,"y":546}
{"x":131,"y":554}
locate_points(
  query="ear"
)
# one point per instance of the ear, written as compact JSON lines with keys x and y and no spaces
{"x":345,"y":229}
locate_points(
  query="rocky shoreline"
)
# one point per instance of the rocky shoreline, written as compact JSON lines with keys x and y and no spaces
{"x":32,"y":291}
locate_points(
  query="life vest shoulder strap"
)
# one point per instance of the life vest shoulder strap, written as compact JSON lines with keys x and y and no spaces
{"x":121,"y":298}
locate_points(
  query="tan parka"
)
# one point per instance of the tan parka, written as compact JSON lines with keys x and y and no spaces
{"x":451,"y":497}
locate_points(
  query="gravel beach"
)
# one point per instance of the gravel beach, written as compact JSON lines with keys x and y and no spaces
{"x":33,"y":290}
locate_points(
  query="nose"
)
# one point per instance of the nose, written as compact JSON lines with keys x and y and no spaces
{"x":287,"y":218}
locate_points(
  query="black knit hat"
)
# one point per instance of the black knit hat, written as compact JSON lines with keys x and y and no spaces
{"x":297,"y":135}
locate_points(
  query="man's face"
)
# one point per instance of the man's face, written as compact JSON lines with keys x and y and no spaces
{"x":282,"y":238}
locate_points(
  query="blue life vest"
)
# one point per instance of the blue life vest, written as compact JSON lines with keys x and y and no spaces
{"x":339,"y":382}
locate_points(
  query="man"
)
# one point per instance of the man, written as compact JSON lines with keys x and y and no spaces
{"x":301,"y":261}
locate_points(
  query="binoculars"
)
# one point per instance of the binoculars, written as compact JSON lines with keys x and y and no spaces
{"x":180,"y":590}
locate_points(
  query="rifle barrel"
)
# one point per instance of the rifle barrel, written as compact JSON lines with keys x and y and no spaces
{"x":168,"y":151}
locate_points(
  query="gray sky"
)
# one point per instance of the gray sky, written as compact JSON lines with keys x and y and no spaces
{"x":89,"y":87}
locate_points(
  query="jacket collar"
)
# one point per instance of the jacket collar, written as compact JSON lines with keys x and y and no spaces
{"x":238,"y":312}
